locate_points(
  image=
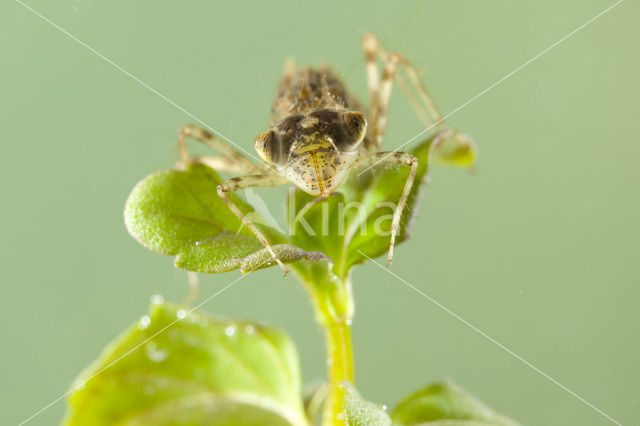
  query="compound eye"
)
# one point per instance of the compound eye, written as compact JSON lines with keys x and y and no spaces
{"x":266,"y":146}
{"x":355,"y":126}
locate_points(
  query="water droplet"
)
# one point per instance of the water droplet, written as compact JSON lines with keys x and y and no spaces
{"x":155,"y":354}
{"x":181,"y":313}
{"x":157,"y":299}
{"x":349,"y":322}
{"x":230,"y":330}
{"x":329,"y":361}
{"x":144,"y":322}
{"x":384,"y":407}
{"x":249,"y":329}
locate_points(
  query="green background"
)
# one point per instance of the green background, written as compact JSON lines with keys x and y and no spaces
{"x":538,"y":248}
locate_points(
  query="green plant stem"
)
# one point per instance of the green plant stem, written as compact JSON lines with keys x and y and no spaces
{"x":332,"y":299}
{"x":340,"y":369}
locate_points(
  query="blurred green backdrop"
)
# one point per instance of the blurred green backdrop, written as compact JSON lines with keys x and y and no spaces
{"x":539,"y":248}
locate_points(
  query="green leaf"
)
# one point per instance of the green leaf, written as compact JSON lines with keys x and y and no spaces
{"x":179,"y":213}
{"x":358,"y":219}
{"x":359,"y":412}
{"x":180,"y":368}
{"x":446,"y":404}
{"x":453,"y":148}
{"x":314,"y":398}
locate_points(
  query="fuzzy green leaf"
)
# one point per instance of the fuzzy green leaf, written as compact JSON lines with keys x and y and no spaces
{"x":174,"y":368}
{"x":357,"y":219}
{"x":359,"y":412}
{"x":446,"y":404}
{"x":179,"y":213}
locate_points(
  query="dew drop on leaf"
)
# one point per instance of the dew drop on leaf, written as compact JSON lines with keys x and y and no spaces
{"x":230,"y":330}
{"x":157,"y":299}
{"x":144,"y":322}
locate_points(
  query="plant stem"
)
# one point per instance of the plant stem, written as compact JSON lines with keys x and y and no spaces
{"x":332,"y":299}
{"x":340,"y":368}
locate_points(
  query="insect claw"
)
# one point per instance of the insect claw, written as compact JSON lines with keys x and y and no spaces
{"x":390,"y":257}
{"x":284,"y":268}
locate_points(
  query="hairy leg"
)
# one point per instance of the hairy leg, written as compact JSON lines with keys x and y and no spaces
{"x":399,"y":159}
{"x":380,"y":90}
{"x":369,"y":45}
{"x":384,"y":98}
{"x":231,"y":161}
{"x":428,"y":104}
{"x":235,"y":184}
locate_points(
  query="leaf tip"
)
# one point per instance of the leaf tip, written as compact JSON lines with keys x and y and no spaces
{"x":452,"y":148}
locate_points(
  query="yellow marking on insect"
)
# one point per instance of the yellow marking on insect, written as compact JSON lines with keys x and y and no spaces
{"x":318,"y":175}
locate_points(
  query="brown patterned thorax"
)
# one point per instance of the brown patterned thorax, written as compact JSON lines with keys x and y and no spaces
{"x":305,"y":89}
